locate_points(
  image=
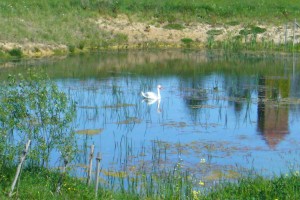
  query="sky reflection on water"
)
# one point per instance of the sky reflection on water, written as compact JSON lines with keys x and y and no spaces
{"x":218,"y":112}
{"x":229,"y":119}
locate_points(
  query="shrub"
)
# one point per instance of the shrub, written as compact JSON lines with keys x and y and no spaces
{"x":187,"y":42}
{"x":71,"y":48}
{"x":33,"y":108}
{"x":214,"y":32}
{"x":174,"y":26}
{"x":16,"y":52}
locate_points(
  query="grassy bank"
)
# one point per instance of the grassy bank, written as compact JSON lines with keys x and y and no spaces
{"x":36,"y":183}
{"x":207,"y":11}
{"x":70,"y":26}
{"x":52,"y":23}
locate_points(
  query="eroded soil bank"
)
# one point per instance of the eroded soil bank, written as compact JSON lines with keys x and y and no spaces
{"x":153,"y":34}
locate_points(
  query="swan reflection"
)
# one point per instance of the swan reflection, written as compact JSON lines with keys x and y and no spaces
{"x":149,"y":102}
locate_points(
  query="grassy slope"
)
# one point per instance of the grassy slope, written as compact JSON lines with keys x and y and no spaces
{"x":72,"y":22}
{"x":50,"y":22}
{"x":216,"y":11}
{"x":42,"y":184}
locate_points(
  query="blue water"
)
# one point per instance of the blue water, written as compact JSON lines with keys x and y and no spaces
{"x":212,"y":121}
{"x":218,"y":112}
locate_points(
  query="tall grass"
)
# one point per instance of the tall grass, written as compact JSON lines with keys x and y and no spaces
{"x":280,"y":187}
{"x":72,"y":22}
{"x":173,"y":183}
{"x":51,"y":22}
{"x":209,"y":11}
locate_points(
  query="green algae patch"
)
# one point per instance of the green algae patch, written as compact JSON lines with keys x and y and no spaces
{"x":90,"y":131}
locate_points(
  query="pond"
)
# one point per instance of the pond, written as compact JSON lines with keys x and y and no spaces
{"x":220,"y":114}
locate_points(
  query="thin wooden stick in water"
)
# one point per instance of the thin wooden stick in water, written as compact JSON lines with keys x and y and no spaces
{"x":98,"y":159}
{"x":90,"y":165}
{"x":19,"y":168}
{"x":61,"y":178}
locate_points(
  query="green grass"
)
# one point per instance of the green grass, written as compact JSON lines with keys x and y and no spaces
{"x":174,"y":26}
{"x":214,"y":32}
{"x":281,"y":187}
{"x":67,"y":21}
{"x":51,"y":22}
{"x":15,"y":53}
{"x":73,"y":22}
{"x":37,"y":183}
{"x":210,"y":11}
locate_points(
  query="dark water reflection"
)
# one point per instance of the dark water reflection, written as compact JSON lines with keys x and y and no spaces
{"x":218,"y":111}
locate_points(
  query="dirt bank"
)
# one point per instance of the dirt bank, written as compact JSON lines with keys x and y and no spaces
{"x":139,"y":32}
{"x":142,"y":33}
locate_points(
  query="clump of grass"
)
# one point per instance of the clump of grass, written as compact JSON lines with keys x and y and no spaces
{"x":187,"y":42}
{"x":214,"y":32}
{"x":81,"y":45}
{"x":40,"y":183}
{"x":282,"y":187}
{"x":233,"y":23}
{"x":16,"y":52}
{"x":71,"y":48}
{"x":257,"y":30}
{"x":174,"y":26}
{"x":252,"y":30}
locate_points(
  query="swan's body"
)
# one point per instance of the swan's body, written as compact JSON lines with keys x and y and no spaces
{"x":152,"y":95}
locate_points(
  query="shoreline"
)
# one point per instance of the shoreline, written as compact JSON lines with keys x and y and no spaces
{"x":147,"y":35}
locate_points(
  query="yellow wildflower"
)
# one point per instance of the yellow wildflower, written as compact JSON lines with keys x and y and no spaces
{"x":196,"y":194}
{"x":201,"y":183}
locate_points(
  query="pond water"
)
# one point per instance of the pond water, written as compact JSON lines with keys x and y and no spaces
{"x":220,"y":114}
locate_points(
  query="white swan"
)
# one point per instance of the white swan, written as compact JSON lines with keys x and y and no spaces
{"x":152,"y":95}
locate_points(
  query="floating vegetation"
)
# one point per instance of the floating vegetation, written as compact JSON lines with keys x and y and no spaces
{"x":90,"y":131}
{"x":118,"y":106}
{"x":204,"y":106}
{"x":130,"y":120}
{"x":175,"y":124}
{"x":88,"y":107}
{"x":117,"y":174}
{"x":219,"y":174}
{"x":280,"y":101}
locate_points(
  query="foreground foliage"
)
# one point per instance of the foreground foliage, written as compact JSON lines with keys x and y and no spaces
{"x":33,"y":108}
{"x":281,"y":187}
{"x":37,"y":183}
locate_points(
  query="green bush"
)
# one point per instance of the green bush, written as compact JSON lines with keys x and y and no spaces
{"x":72,"y":48}
{"x":214,"y":32}
{"x":187,"y":42}
{"x":16,"y":52}
{"x":174,"y":26}
{"x":33,"y":108}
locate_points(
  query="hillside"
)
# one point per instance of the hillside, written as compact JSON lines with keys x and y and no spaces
{"x":42,"y":28}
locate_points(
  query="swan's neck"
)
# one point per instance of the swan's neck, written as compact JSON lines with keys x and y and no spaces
{"x":158,"y":93}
